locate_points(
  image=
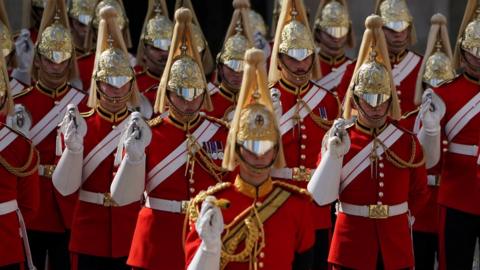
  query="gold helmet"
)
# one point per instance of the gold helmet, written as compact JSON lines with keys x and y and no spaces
{"x":437,"y":66}
{"x":118,"y":6}
{"x":238,"y":38}
{"x":82,"y":10}
{"x":293,"y":38}
{"x":396,"y":16}
{"x":469,"y":33}
{"x":183,"y":73}
{"x":112,"y":65}
{"x":55,"y":40}
{"x":372,"y":80}
{"x":332,"y":17}
{"x":199,"y":37}
{"x":158,"y":31}
{"x":257,"y":24}
{"x":254,"y":125}
{"x":6,"y":40}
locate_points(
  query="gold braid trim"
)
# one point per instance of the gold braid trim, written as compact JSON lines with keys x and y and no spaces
{"x":323,"y":123}
{"x":155,"y":121}
{"x":193,"y":207}
{"x":398,"y":161}
{"x":216,"y":120}
{"x":291,"y":188}
{"x":20,"y":171}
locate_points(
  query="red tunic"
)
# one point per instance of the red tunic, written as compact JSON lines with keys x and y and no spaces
{"x":98,"y":230}
{"x":147,"y":83}
{"x":460,"y":181}
{"x":405,"y":92}
{"x":157,"y":242}
{"x":357,"y":241}
{"x":55,"y":211}
{"x":85,"y":63}
{"x":302,"y":143}
{"x":23,"y":189}
{"x":287,"y":231}
{"x":327,"y":64}
{"x":224,"y":102}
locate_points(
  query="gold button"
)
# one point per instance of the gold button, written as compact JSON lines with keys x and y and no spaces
{"x":260,"y":264}
{"x":114,"y":127}
{"x":262,"y":254}
{"x":302,"y":167}
{"x":445,"y":142}
{"x":380,"y":158}
{"x":303,"y":157}
{"x":381,"y":184}
{"x":381,"y":165}
{"x":303,"y":127}
{"x":303,"y":146}
{"x":56,"y":102}
{"x":258,"y":204}
{"x":379,"y":203}
{"x":399,"y":93}
{"x":304,"y":136}
{"x":191,"y":181}
{"x":445,"y":150}
{"x":192,"y":190}
{"x":382,"y":175}
{"x":380,"y":194}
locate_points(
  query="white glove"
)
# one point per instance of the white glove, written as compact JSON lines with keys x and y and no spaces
{"x":431,"y":112}
{"x":73,"y":128}
{"x":338,"y":140}
{"x":21,"y":120}
{"x":275,"y":94}
{"x":24,"y":53}
{"x":138,"y":137}
{"x":210,"y":225}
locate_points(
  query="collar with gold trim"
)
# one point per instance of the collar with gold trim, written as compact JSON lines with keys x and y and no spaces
{"x":151,"y":75}
{"x":181,"y":124}
{"x":252,"y":191}
{"x":53,"y":93}
{"x":294,"y":89}
{"x":332,"y":60}
{"x":471,"y":79}
{"x":367,"y":130}
{"x":227,"y":93}
{"x":112,"y":117}
{"x":397,"y":58}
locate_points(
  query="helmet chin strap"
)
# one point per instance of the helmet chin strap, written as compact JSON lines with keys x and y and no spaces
{"x":178,"y":112}
{"x":224,"y":79}
{"x":362,"y":111}
{"x":299,"y":77}
{"x":470,"y":65}
{"x":115,"y":100}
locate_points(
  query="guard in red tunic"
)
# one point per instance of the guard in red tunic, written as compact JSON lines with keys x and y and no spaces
{"x":374,"y":167}
{"x":81,"y":14}
{"x":333,"y":33}
{"x":230,"y":63}
{"x":101,"y":230}
{"x":400,"y":34}
{"x":183,"y":158}
{"x":436,"y":70}
{"x":257,"y":222}
{"x":152,"y":52}
{"x":305,"y":110}
{"x":39,"y":111}
{"x":450,"y":135}
{"x":19,"y":192}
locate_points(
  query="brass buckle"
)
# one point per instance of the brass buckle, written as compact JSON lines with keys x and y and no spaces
{"x":48,"y":171}
{"x":378,"y":211}
{"x":108,"y":200}
{"x":301,"y":174}
{"x":184,"y":207}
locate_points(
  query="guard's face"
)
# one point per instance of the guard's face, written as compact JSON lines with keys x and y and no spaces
{"x":397,"y":41}
{"x":232,"y":78}
{"x":258,"y":161}
{"x":471,"y":63}
{"x":330,"y":41}
{"x":185,"y":106}
{"x":79,"y":28}
{"x":155,"y":59}
{"x":295,"y":66}
{"x":112,"y":97}
{"x":53,"y":69}
{"x":377,"y":113}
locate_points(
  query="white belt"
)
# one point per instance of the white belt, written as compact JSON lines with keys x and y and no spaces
{"x":166,"y":205}
{"x":46,"y":170}
{"x":433,"y":180}
{"x":296,"y":173}
{"x":104,"y":199}
{"x":10,"y":207}
{"x":375,"y":211}
{"x":463,"y":149}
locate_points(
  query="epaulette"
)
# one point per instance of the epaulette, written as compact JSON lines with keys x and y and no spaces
{"x":195,"y":203}
{"x":87,"y":113}
{"x":155,"y":121}
{"x":292,"y":188}
{"x":153,"y":87}
{"x":23,"y":92}
{"x":215,"y":120}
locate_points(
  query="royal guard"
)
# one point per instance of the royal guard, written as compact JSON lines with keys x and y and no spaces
{"x":200,"y":40}
{"x":19,"y":192}
{"x":259,"y":31}
{"x":38,"y":111}
{"x":450,"y":118}
{"x":18,"y":59}
{"x":152,"y":52}
{"x":333,"y":33}
{"x":230,"y":62}
{"x":305,"y":110}
{"x":184,"y":156}
{"x":101,"y":230}
{"x":374,"y":167}
{"x":256,"y":222}
{"x":400,"y":34}
{"x":436,"y":70}
{"x":81,"y":14}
